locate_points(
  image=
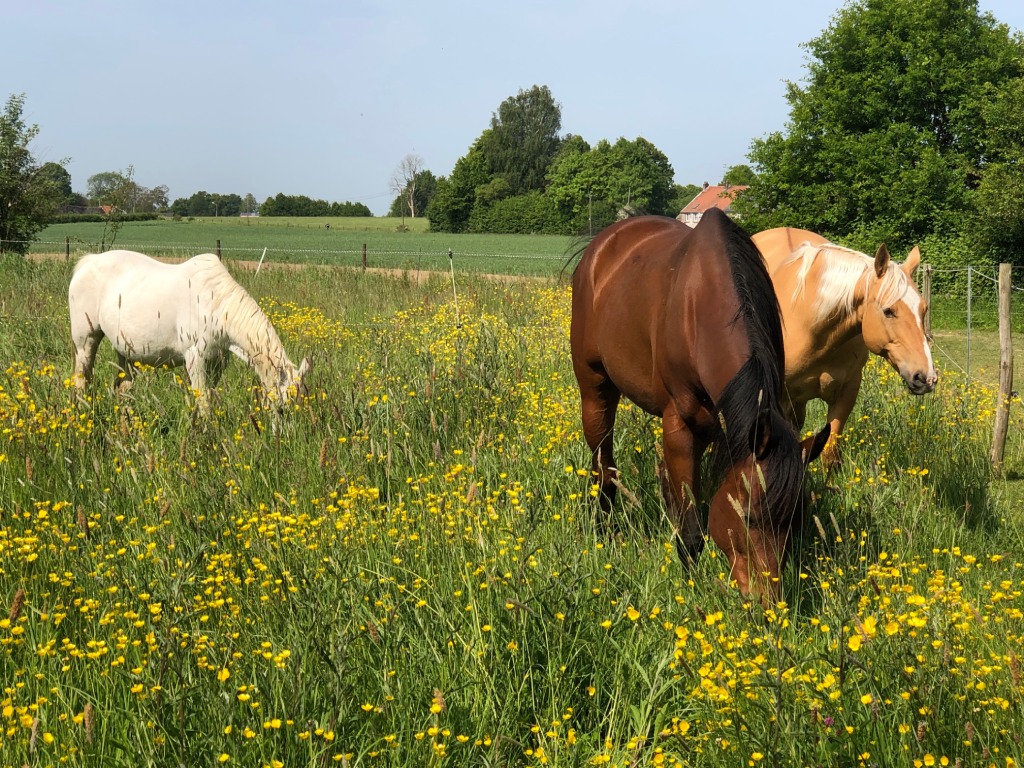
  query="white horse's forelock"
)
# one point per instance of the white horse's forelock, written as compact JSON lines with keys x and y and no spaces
{"x":842,"y":270}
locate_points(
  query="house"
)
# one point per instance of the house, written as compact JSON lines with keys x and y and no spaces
{"x":717,"y":196}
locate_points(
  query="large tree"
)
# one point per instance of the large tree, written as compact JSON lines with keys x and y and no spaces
{"x":524,"y":139}
{"x":29,"y":193}
{"x":403,"y":183}
{"x":886,"y":139}
{"x":591,"y":186}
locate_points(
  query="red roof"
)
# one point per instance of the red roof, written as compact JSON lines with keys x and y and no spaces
{"x":713,"y":197}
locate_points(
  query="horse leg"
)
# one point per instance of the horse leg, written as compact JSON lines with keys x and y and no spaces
{"x":599,"y":399}
{"x":86,"y":345}
{"x":840,"y":406}
{"x":125,"y":374}
{"x":195,"y":369}
{"x":680,"y":486}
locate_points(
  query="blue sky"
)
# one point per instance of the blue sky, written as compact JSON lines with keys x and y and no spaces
{"x":325,"y":98}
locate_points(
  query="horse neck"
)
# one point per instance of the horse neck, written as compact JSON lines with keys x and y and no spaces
{"x":843,"y":322}
{"x":248,"y":328}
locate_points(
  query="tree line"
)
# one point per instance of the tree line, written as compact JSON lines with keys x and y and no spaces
{"x":521,"y":176}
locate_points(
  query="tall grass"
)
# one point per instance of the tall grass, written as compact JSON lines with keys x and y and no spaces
{"x":407,"y":569}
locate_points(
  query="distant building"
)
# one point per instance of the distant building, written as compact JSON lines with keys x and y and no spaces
{"x":720,"y":197}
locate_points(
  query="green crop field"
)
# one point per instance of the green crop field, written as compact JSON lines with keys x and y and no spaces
{"x":309,"y":241}
{"x":407,"y":569}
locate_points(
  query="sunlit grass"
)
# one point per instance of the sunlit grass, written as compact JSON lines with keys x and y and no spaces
{"x":407,"y":570}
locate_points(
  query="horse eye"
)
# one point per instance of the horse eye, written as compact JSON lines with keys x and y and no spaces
{"x":889,"y":312}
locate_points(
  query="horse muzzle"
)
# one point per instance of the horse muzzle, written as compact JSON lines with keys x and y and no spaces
{"x":920,"y":382}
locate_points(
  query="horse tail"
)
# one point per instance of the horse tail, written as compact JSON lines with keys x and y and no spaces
{"x":574,"y":254}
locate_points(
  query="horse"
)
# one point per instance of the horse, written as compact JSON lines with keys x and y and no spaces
{"x":684,"y":322}
{"x":190,"y":314}
{"x":837,"y":306}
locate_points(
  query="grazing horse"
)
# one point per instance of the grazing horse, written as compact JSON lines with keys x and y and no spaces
{"x":684,"y":322}
{"x":837,"y":305}
{"x":192,"y":313}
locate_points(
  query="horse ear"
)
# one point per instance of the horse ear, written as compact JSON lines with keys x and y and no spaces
{"x":762,"y":433}
{"x":811,"y":447}
{"x":305,"y":367}
{"x":881,"y":260}
{"x":913,"y":260}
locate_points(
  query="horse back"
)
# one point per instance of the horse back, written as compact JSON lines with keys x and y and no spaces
{"x":777,"y":245}
{"x":652,"y":299}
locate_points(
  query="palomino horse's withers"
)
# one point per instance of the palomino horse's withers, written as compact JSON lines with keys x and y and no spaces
{"x":189,"y":314}
{"x":685,"y":324}
{"x":837,"y":305}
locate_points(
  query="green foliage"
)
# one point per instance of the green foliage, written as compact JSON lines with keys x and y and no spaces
{"x":71,"y":218}
{"x":301,"y":205}
{"x":524,"y":139}
{"x":888,"y":136}
{"x":29,"y":193}
{"x":453,"y":201}
{"x":527,"y":214}
{"x":739,"y":175}
{"x":422,"y":188}
{"x":520,"y":153}
{"x":591,"y":186}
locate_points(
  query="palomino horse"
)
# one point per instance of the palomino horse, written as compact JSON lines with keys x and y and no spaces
{"x":837,"y":305}
{"x":685,"y":324}
{"x":172,"y":314}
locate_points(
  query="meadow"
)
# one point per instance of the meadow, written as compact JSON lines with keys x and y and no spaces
{"x":407,"y":569}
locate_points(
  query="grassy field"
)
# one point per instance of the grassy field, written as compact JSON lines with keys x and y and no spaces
{"x":308,"y":241}
{"x":407,"y":570}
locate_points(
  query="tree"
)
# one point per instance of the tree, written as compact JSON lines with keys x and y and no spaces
{"x":739,"y":175}
{"x":524,"y":139}
{"x":887,"y":138}
{"x":999,"y":200}
{"x":452,"y":204}
{"x":101,"y":186}
{"x":249,"y":204}
{"x":403,"y":183}
{"x":591,"y":186}
{"x":29,"y":193}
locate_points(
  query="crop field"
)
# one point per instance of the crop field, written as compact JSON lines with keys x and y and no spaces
{"x":407,"y":568}
{"x":309,"y":241}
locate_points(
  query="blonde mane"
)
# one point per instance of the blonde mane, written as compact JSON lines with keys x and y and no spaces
{"x":842,"y":270}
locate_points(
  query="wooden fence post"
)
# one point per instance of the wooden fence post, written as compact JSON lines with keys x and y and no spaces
{"x":1002,"y":419}
{"x":364,"y":257}
{"x":67,"y":247}
{"x":926,"y":294}
{"x":218,"y":248}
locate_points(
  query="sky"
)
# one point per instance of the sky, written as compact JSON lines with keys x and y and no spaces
{"x":325,"y":98}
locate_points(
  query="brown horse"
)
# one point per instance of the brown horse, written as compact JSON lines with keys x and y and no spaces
{"x":837,"y":305}
{"x":684,"y":322}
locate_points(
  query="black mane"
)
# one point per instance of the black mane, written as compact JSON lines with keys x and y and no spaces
{"x":757,"y":389}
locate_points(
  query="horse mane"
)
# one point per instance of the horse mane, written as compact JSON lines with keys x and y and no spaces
{"x":243,"y":320}
{"x":843,"y":268}
{"x":756,"y":391}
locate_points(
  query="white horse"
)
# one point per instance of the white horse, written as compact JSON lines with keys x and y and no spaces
{"x":189,"y":314}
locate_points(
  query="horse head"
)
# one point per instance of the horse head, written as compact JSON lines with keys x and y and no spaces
{"x":893,"y":321}
{"x":291,"y":382}
{"x":755,"y":525}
